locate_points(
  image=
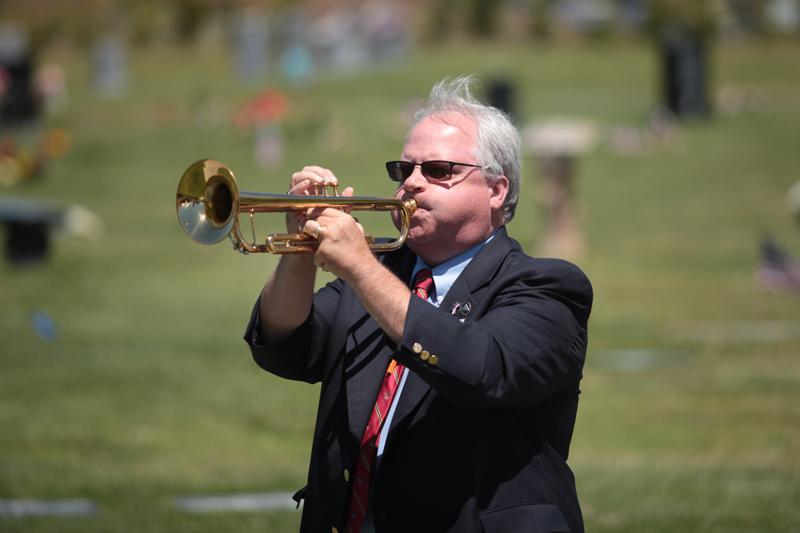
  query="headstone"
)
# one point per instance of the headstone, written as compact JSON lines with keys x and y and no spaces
{"x":28,"y":226}
{"x":21,"y":508}
{"x":783,"y":15}
{"x":633,"y":14}
{"x":556,"y":145}
{"x":339,"y":40}
{"x":236,"y":502}
{"x":250,"y":33}
{"x":585,"y":16}
{"x":386,"y":29}
{"x":110,"y":66}
{"x":18,"y":101}
{"x":684,"y":73}
{"x":502,"y":94}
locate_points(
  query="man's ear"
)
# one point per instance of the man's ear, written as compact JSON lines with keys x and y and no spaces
{"x":499,"y":190}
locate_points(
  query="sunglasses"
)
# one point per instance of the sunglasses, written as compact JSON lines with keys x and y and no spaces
{"x":399,"y":171}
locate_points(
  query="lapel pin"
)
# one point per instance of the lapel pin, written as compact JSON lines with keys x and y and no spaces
{"x":461,"y":310}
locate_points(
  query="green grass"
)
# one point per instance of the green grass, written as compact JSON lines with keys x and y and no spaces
{"x":149,"y":392}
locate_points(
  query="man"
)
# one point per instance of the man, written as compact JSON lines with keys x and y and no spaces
{"x":449,"y":408}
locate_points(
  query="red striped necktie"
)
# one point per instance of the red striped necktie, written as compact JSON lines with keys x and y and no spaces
{"x":359,"y":490}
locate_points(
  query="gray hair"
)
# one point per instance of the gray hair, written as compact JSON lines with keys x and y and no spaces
{"x":498,"y":146}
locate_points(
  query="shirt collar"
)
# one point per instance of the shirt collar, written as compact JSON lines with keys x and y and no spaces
{"x":446,"y":273}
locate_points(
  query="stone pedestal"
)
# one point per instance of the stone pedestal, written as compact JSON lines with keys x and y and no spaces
{"x":556,"y":146}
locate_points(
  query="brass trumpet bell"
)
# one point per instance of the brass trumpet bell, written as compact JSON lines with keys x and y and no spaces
{"x":209,"y":202}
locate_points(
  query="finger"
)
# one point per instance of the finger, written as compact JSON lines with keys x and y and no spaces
{"x":314,"y":212}
{"x":348,"y":191}
{"x":298,"y":187}
{"x":314,"y":229}
{"x":317,"y":212}
{"x":326,"y":175}
{"x":311,"y":227}
{"x":306,"y":175}
{"x":316,"y":177}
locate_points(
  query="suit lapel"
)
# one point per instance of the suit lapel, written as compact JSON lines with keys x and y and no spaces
{"x":480,"y":271}
{"x":368,"y":351}
{"x":363,"y":373}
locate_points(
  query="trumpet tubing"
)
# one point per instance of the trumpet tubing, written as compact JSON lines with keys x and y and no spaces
{"x":209,"y":202}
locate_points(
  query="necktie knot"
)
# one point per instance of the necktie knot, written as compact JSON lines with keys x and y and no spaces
{"x":423,"y":283}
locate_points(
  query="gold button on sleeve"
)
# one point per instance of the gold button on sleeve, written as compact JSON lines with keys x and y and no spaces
{"x":334,"y":530}
{"x":424,"y":355}
{"x":417,"y":347}
{"x":433,"y":360}
{"x":346,"y":475}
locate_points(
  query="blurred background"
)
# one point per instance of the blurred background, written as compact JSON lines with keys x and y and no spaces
{"x":661,"y":155}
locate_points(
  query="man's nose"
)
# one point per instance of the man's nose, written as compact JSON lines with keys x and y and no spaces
{"x":415,"y":181}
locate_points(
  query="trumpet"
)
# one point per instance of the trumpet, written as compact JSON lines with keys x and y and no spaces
{"x":209,"y":203}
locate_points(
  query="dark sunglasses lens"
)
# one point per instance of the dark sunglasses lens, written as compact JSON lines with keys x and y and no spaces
{"x":399,"y":170}
{"x":437,"y":170}
{"x":394,"y":169}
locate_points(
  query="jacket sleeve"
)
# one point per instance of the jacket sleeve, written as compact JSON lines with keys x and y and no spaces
{"x":529,"y":344}
{"x":300,"y":355}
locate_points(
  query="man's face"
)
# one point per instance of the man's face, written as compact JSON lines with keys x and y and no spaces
{"x":456,"y":214}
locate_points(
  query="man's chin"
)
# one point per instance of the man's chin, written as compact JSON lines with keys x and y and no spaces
{"x":418,"y":241}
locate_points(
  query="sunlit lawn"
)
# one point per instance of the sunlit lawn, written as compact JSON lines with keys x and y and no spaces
{"x":148,"y":392}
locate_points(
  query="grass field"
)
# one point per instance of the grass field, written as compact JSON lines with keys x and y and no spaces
{"x":148,"y":392}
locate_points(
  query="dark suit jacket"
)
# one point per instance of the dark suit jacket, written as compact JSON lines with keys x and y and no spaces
{"x":479,"y":440}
